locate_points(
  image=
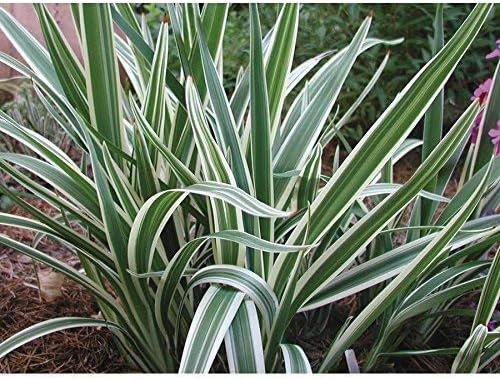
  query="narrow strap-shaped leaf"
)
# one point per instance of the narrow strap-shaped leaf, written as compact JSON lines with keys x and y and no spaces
{"x":392,"y":128}
{"x":214,"y":164}
{"x":61,"y":267}
{"x":433,"y":121}
{"x":260,"y":132}
{"x":441,"y":279}
{"x":389,"y":188}
{"x":125,"y":55}
{"x":40,"y":144}
{"x":213,"y":23}
{"x":343,"y":251}
{"x":183,"y":174}
{"x":386,"y":266}
{"x":259,"y":119}
{"x":323,"y":75}
{"x":328,"y":134}
{"x":369,"y":156}
{"x":156,"y":212}
{"x":302,"y":136}
{"x":211,"y":321}
{"x":79,"y":192}
{"x":51,"y":326}
{"x":244,"y":343}
{"x":385,"y":298}
{"x":176,"y":268}
{"x":295,"y":359}
{"x":241,"y":95}
{"x":489,"y":295}
{"x":226,"y":129}
{"x":123,"y":16}
{"x":55,"y":200}
{"x":133,"y":33}
{"x":467,"y":359}
{"x":280,"y":60}
{"x":147,"y":180}
{"x":308,"y":184}
{"x":154,"y":106}
{"x":30,"y":49}
{"x":48,"y":225}
{"x":491,"y":115}
{"x":129,"y":199}
{"x":66,"y":64}
{"x":298,"y":73}
{"x":73,"y":126}
{"x":101,"y":71}
{"x":215,"y":168}
{"x":117,"y":233}
{"x":447,"y":295}
{"x":243,"y":280}
{"x":465,"y":192}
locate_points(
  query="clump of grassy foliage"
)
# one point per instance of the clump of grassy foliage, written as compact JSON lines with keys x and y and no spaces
{"x":203,"y":220}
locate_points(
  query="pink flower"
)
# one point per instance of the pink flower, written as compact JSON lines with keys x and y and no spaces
{"x":495,"y":53}
{"x":494,"y":134}
{"x":475,"y":127}
{"x":482,"y":91}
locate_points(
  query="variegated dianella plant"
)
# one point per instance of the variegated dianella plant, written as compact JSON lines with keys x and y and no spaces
{"x":202,"y":220}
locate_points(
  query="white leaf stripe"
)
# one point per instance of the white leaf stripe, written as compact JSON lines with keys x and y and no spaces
{"x":211,"y":321}
{"x":48,"y":327}
{"x":295,"y":359}
{"x":245,"y":281}
{"x":467,"y":359}
{"x":402,"y":281}
{"x":243,"y":341}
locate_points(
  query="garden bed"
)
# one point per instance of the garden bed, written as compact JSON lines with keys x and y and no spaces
{"x":93,"y":350}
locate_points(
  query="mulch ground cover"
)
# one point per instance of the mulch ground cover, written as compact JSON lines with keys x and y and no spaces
{"x":90,"y":350}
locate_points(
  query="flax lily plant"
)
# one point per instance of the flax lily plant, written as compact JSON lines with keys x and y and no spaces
{"x":200,"y":217}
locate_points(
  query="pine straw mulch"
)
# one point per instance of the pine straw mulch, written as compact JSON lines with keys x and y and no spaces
{"x":78,"y":350}
{"x":93,"y":350}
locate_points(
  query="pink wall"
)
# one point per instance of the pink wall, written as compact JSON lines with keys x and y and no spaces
{"x":25,"y":14}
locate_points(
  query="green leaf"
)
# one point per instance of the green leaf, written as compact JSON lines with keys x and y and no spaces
{"x":243,"y":341}
{"x":484,"y":149}
{"x":279,"y":64}
{"x":211,"y":322}
{"x":467,"y":359}
{"x":489,"y":295}
{"x":390,"y":264}
{"x":66,"y":64}
{"x":465,"y":192}
{"x":302,"y":136}
{"x":329,"y":133}
{"x":295,"y":359}
{"x":225,"y":125}
{"x":62,"y":267}
{"x":259,"y":119}
{"x":30,"y":49}
{"x":48,"y":327}
{"x":308,"y":184}
{"x":433,"y":122}
{"x":101,"y":72}
{"x":353,"y":242}
{"x":243,"y":280}
{"x":397,"y":286}
{"x":154,"y":103}
{"x":390,"y":129}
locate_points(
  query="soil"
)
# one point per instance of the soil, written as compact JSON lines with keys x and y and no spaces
{"x":21,"y":305}
{"x":93,"y":350}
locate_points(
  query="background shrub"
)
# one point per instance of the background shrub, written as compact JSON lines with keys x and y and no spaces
{"x":330,"y":26}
